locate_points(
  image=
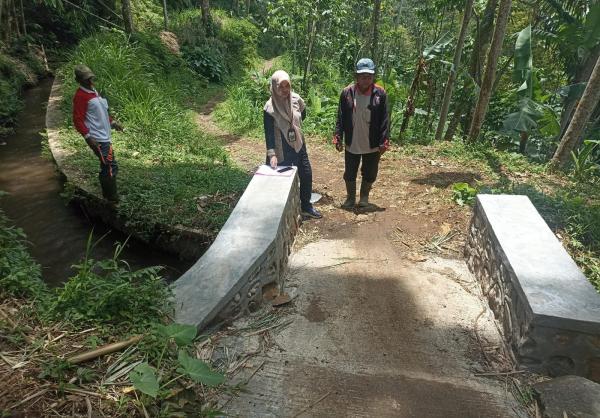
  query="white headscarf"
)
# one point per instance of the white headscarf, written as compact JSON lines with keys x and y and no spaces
{"x":286,"y":112}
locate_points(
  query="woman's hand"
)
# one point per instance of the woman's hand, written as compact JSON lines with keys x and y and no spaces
{"x":274,"y":162}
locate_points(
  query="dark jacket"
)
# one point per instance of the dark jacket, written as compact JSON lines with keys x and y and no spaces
{"x":380,"y":120}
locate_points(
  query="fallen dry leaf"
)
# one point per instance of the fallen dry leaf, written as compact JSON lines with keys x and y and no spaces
{"x":282,"y":299}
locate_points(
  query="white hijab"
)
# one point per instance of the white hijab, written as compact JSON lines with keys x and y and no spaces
{"x":286,"y":112}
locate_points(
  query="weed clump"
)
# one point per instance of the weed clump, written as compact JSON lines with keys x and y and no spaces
{"x":59,"y":340}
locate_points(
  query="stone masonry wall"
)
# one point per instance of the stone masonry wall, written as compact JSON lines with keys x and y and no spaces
{"x":272,"y":264}
{"x":543,"y":340}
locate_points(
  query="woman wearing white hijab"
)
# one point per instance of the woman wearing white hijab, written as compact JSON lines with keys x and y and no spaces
{"x":283,"y":115}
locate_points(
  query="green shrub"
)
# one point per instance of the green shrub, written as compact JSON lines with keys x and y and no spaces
{"x":107,"y":292}
{"x":585,"y":163}
{"x":228,"y":48}
{"x":463,"y":193}
{"x":20,"y":275}
{"x":321,"y":113}
{"x":16,"y":72}
{"x":240,"y":38}
{"x":207,"y":61}
{"x":188,"y":26}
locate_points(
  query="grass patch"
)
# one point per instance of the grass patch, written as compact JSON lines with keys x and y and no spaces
{"x":166,"y":163}
{"x":569,"y":205}
{"x":20,"y":275}
{"x":242,"y":110}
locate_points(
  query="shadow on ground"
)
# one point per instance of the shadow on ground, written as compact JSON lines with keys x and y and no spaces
{"x":447,"y":178}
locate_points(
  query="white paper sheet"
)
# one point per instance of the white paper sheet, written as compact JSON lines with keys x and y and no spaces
{"x":265,"y":170}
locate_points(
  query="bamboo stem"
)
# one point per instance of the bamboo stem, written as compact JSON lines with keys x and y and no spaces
{"x":106,"y":349}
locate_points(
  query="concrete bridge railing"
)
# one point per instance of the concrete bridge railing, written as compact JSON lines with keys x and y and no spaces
{"x":549,"y":310}
{"x":250,"y":252}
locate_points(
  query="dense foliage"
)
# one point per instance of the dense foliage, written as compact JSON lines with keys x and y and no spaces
{"x":19,"y":68}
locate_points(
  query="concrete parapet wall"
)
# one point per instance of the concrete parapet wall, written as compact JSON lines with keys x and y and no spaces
{"x":250,"y":252}
{"x":549,"y":311}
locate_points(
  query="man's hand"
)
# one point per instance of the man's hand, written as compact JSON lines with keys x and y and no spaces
{"x":273,"y":162}
{"x":338,"y":144}
{"x":116,"y":126}
{"x":384,"y":147}
{"x":93,"y":144}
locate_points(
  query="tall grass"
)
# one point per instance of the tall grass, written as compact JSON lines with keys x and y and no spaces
{"x":165,"y":161}
{"x":242,"y":111}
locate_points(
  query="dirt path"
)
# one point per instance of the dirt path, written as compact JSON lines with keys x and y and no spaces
{"x":386,"y":319}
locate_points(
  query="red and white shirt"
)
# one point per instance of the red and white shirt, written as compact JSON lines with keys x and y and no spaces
{"x":90,"y":115}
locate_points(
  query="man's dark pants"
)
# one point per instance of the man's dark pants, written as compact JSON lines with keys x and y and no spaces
{"x":368,"y":170}
{"x":108,"y":163}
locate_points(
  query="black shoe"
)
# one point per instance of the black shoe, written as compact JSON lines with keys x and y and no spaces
{"x":312,"y":213}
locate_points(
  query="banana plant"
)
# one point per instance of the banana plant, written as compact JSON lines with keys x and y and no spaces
{"x":584,"y":164}
{"x":530,"y":112}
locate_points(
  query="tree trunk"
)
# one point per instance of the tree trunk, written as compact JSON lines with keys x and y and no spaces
{"x":453,"y":70}
{"x":582,"y":75}
{"x":23,"y":18}
{"x":15,"y":19}
{"x":453,"y":123}
{"x":311,"y":41}
{"x":523,"y":137}
{"x":432,"y":99}
{"x":375,"y":28}
{"x":490,"y":71}
{"x":584,"y":110}
{"x":295,"y":56}
{"x":165,"y":14}
{"x":127,"y":16}
{"x":484,"y":36}
{"x":1,"y":25}
{"x":410,"y":101}
{"x":205,"y":6}
{"x":480,"y":46}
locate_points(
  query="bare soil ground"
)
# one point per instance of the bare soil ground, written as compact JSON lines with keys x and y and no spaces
{"x":385,"y":318}
{"x":412,"y":205}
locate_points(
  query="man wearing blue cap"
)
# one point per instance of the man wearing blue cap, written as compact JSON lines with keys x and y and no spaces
{"x":362,"y":128}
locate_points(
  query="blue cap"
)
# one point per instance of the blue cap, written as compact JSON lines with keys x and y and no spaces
{"x":365,"y":65}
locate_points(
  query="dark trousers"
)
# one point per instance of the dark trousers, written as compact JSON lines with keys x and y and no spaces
{"x":368,"y":170}
{"x":108,"y":163}
{"x":300,"y":160}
